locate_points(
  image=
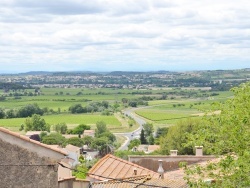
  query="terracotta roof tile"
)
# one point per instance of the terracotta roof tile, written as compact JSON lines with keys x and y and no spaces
{"x":30,"y":140}
{"x":164,"y":183}
{"x":131,"y":182}
{"x":140,"y":182}
{"x":113,"y":167}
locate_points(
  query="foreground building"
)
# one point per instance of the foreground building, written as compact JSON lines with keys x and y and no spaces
{"x":26,"y":163}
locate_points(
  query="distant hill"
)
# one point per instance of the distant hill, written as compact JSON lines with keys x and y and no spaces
{"x":36,"y":73}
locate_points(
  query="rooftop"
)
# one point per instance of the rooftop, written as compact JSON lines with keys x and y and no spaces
{"x":27,"y":139}
{"x":110,"y":167}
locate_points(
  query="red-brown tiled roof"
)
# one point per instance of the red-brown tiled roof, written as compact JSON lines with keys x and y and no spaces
{"x":140,"y":182}
{"x":164,"y":183}
{"x":30,"y":140}
{"x":131,"y":182}
{"x":113,"y":167}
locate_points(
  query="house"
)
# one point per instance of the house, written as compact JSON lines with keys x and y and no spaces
{"x":146,"y":148}
{"x":74,"y":152}
{"x":111,"y":167}
{"x":140,"y":182}
{"x":170,"y":162}
{"x":89,"y":133}
{"x":26,"y":163}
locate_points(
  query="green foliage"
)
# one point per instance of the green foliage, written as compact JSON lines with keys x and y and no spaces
{"x":80,"y":171}
{"x":60,"y":128}
{"x":2,"y":113}
{"x":148,"y":129}
{"x":75,"y":141}
{"x":108,"y":135}
{"x":227,"y":133}
{"x":142,"y":137}
{"x":80,"y":129}
{"x":133,"y":143}
{"x":161,"y":132}
{"x":53,"y":139}
{"x":29,"y":110}
{"x":123,"y":154}
{"x":76,"y":109}
{"x":11,"y":114}
{"x":36,"y":123}
{"x":101,"y":127}
{"x":176,"y":137}
{"x":87,"y":140}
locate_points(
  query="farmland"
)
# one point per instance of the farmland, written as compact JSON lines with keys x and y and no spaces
{"x":160,"y":112}
{"x":162,"y":106}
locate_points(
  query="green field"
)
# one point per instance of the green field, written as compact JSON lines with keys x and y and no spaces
{"x":165,"y":116}
{"x":69,"y":119}
{"x":159,"y":111}
{"x":170,"y":111}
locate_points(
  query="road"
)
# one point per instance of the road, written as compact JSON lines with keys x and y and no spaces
{"x":131,"y":135}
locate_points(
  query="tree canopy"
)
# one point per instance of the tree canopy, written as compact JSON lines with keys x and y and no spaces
{"x":36,"y":123}
{"x":227,"y":134}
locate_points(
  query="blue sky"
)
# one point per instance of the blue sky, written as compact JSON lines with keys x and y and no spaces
{"x":127,"y":35}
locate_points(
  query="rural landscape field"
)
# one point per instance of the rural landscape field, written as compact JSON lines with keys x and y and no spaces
{"x":161,"y":100}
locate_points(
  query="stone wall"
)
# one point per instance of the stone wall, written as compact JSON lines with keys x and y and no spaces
{"x":21,"y":168}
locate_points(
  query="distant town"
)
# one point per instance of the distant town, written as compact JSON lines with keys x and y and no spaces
{"x":219,"y":80}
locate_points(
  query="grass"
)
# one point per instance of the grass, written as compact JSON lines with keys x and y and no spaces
{"x":69,"y":119}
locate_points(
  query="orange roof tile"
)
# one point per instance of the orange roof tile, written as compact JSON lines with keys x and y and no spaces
{"x":30,"y":140}
{"x":140,"y":182}
{"x":113,"y":167}
{"x":153,"y":147}
{"x":164,"y":183}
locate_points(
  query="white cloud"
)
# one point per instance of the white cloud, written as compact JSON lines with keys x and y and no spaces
{"x":115,"y":34}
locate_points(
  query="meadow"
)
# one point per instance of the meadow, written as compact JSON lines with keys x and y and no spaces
{"x":168,"y":112}
{"x":71,"y":120}
{"x":163,"y":112}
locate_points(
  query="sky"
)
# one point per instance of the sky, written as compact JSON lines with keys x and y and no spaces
{"x":124,"y":35}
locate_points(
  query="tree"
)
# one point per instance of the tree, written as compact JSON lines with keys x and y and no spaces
{"x":60,"y":128}
{"x":132,"y":103}
{"x":177,"y":138}
{"x":110,"y":136}
{"x":133,"y":143}
{"x":10,"y":114}
{"x":80,"y":129}
{"x":161,"y":132}
{"x":29,"y":110}
{"x":148,"y":129}
{"x":75,"y":141}
{"x":101,"y":127}
{"x":76,"y":109}
{"x":124,"y":100}
{"x":102,"y":145}
{"x":36,"y":123}
{"x":80,"y":172}
{"x":151,"y":140}
{"x":227,"y":133}
{"x":2,"y":113}
{"x":87,"y":140}
{"x":142,"y":137}
{"x":53,"y":139}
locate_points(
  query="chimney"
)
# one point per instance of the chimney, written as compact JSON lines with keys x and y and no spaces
{"x":173,"y":152}
{"x":160,"y":169}
{"x":135,"y":171}
{"x":198,"y":150}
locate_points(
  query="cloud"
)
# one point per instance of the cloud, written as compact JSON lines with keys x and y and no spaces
{"x":113,"y":34}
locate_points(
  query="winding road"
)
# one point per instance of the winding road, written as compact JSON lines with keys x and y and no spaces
{"x":131,"y":135}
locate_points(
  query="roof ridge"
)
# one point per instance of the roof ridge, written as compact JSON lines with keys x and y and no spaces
{"x":97,"y":165}
{"x":2,"y":129}
{"x":128,"y":162}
